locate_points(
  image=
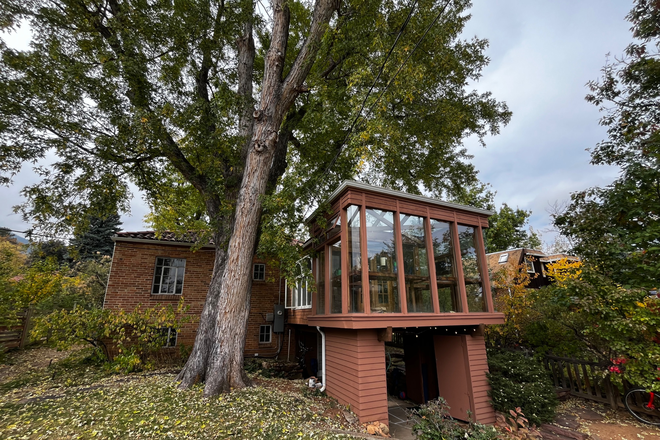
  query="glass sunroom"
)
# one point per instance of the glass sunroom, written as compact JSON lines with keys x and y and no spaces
{"x":388,"y":258}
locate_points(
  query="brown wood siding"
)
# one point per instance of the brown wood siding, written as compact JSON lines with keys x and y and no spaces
{"x":412,"y":208}
{"x":483,"y":410}
{"x":355,"y":369}
{"x":441,"y":214}
{"x":379,"y":202}
{"x":453,"y":374}
{"x":462,"y":366}
{"x":384,"y":320}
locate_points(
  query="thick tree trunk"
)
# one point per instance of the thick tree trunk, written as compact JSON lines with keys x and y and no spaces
{"x":217,"y":356}
{"x":195,"y":369}
{"x":225,"y":364}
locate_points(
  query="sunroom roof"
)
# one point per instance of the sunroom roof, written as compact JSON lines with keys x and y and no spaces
{"x":347,"y":184}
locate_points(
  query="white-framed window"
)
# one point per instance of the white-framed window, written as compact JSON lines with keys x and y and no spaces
{"x":265,"y":334}
{"x":169,"y":336}
{"x":383,"y":292}
{"x":299,"y":295}
{"x":168,"y":276}
{"x":530,"y":265}
{"x":259,"y":272}
{"x":503,"y":258}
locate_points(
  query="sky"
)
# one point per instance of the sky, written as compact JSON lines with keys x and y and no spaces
{"x":542,"y":55}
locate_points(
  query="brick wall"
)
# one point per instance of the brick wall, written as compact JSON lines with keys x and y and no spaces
{"x":131,"y":279}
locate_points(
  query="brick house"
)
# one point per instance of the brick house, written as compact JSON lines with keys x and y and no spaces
{"x":147,"y":271}
{"x":387,"y":264}
{"x":536,"y":263}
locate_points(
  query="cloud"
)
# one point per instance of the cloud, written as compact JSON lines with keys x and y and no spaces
{"x":543,"y":54}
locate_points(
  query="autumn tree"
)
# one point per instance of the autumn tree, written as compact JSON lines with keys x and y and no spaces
{"x":506,"y":230}
{"x":511,"y":297}
{"x":616,"y":228}
{"x":232,"y":118}
{"x":602,"y":320}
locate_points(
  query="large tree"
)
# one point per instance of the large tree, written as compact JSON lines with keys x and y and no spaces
{"x":506,"y":230}
{"x":617,"y":227}
{"x":230,"y":115}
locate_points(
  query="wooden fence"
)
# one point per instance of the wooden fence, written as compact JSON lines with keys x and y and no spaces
{"x":583,"y":379}
{"x":17,"y":335}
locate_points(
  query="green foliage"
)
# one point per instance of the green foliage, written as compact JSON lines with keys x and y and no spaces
{"x":126,"y":363}
{"x":512,"y":298}
{"x":607,"y":321}
{"x":13,"y":262}
{"x":135,"y":334}
{"x":432,"y":422}
{"x":616,"y":228}
{"x":506,"y":230}
{"x":54,"y":250}
{"x":518,"y":381}
{"x":37,"y":284}
{"x":81,"y":92}
{"x":94,"y":240}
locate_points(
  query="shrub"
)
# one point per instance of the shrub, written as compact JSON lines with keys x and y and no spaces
{"x":136,"y":334}
{"x":432,"y":421}
{"x":518,"y":381}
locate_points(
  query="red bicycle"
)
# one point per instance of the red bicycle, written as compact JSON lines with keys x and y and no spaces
{"x":641,"y":403}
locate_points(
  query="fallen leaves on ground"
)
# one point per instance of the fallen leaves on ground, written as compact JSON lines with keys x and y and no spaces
{"x":150,"y":406}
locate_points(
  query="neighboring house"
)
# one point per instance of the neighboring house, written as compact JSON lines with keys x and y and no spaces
{"x":386,"y":263}
{"x":535,"y":263}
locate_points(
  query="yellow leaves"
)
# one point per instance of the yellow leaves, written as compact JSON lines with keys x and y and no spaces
{"x":564,"y":270}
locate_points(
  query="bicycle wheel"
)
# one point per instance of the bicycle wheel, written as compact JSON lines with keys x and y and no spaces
{"x":637,"y":403}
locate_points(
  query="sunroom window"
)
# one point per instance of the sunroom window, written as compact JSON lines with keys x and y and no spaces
{"x":381,"y":260}
{"x":471,"y":271}
{"x":445,"y":268}
{"x":416,"y":264}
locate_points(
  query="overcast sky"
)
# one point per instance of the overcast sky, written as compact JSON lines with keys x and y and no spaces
{"x":542,"y":55}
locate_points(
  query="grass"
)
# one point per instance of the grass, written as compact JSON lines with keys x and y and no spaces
{"x":82,"y":401}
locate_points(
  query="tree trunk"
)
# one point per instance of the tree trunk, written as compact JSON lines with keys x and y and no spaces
{"x":217,"y":356}
{"x":195,"y":369}
{"x":225,"y":364}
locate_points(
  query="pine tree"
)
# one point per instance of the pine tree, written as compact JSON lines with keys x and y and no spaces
{"x":96,"y":240}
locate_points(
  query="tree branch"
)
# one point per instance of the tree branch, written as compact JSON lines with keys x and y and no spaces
{"x":139,"y":97}
{"x":323,"y":10}
{"x":246,"y":53}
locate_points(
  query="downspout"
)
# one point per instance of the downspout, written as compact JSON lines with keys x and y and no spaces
{"x":325,"y":375}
